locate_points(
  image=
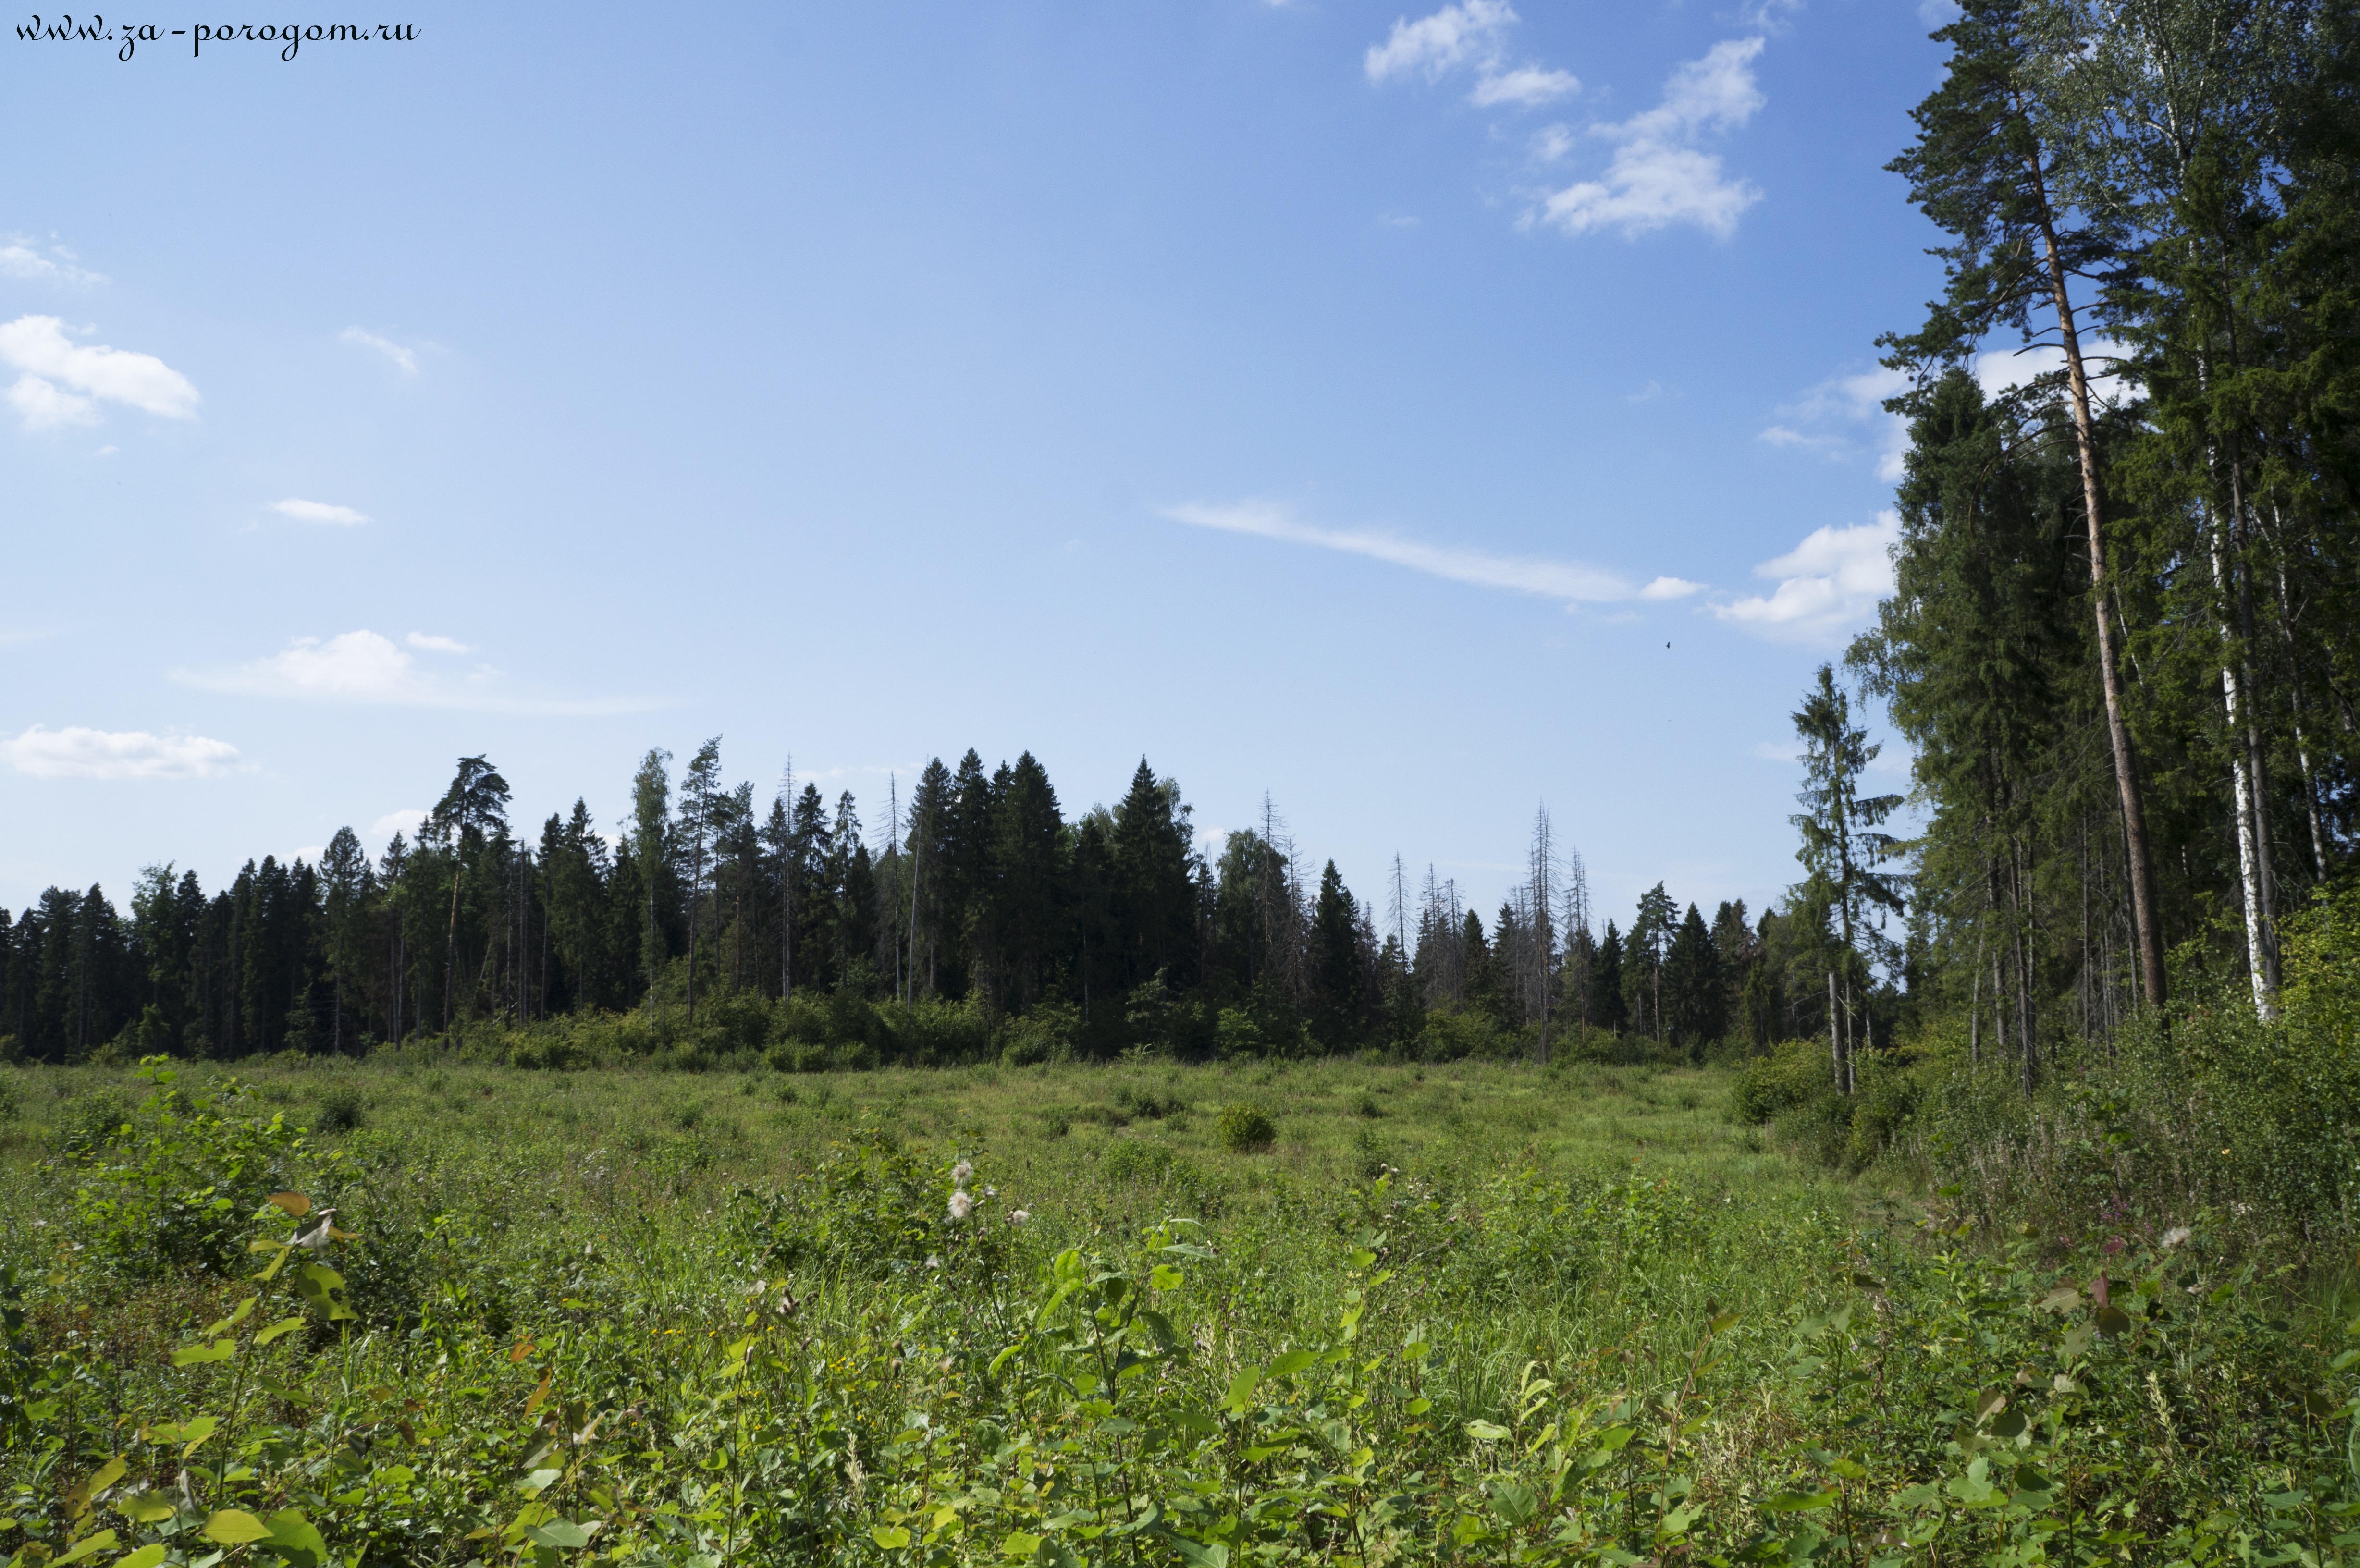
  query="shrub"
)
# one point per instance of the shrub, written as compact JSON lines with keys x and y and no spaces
{"x":342,"y":1109}
{"x":1246,"y":1127}
{"x":1794,"y":1073}
{"x":177,"y":1188}
{"x":88,"y":1123}
{"x":1146,"y":1104}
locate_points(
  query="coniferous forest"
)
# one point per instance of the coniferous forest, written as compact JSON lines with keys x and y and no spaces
{"x":992,"y":1181}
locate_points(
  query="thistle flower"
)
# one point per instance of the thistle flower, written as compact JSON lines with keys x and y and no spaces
{"x":2176,"y":1235}
{"x":1018,"y":1217}
{"x":961,"y":1205}
{"x":962,"y":1173}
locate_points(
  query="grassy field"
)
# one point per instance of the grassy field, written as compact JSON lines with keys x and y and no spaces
{"x":1468,"y":1312}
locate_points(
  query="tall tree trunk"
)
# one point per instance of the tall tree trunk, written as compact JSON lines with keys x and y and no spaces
{"x":2127,"y":778}
{"x":2249,"y":869}
{"x":1835,"y":1036}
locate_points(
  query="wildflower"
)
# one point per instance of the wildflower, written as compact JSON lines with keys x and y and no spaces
{"x":962,"y":1173}
{"x":962,"y":1205}
{"x":2176,"y":1234}
{"x":1019,"y":1217}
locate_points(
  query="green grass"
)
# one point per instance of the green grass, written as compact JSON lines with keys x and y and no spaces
{"x":1468,"y":1312}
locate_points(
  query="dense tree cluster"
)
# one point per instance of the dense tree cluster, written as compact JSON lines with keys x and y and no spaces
{"x":2123,"y":638}
{"x":980,"y":890}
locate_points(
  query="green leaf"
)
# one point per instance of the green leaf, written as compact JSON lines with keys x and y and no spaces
{"x":87,"y":1546}
{"x":146,"y":1556}
{"x":1201,"y":1555}
{"x":78,"y":1500}
{"x":1797,"y":1502}
{"x":323,"y":1289}
{"x":1288,"y":1364}
{"x":1019,"y":1544}
{"x":563,"y":1534}
{"x":146,"y":1508}
{"x":293,"y":1534}
{"x":1241,"y":1391}
{"x":283,"y":1327}
{"x":1163,"y":1277}
{"x":1515,"y":1501}
{"x":235,"y":1526}
{"x":198,"y":1354}
{"x":1485,"y":1432}
{"x":237,"y":1315}
{"x":890,"y":1537}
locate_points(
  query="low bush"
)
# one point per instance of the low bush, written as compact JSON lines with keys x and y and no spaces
{"x":1245,"y":1128}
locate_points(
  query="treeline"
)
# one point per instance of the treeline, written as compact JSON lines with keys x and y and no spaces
{"x":1107,"y":930}
{"x":2123,"y":638}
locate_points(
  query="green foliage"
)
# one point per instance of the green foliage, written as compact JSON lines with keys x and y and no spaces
{"x":173,"y":1188}
{"x":1245,"y":1127}
{"x":341,"y":1108}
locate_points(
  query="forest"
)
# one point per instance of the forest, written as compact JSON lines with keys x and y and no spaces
{"x":738,"y":1183}
{"x":1110,"y":928}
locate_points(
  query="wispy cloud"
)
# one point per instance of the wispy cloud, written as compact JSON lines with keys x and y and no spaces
{"x":22,"y":258}
{"x":1778,"y":750}
{"x":64,"y":380}
{"x":404,"y":359}
{"x":1469,"y":33}
{"x":433,"y":643}
{"x":1658,"y":176}
{"x":1525,"y":86}
{"x":407,"y":820}
{"x":1567,"y":581}
{"x":1456,"y":35}
{"x":367,"y":667}
{"x":1845,"y":417}
{"x":1826,"y":587}
{"x":318,"y":512}
{"x":78,"y":753}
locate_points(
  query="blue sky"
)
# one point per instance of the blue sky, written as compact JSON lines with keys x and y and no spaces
{"x":1416,"y":414}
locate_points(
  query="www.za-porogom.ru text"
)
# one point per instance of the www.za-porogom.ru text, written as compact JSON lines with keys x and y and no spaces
{"x":288,"y":38}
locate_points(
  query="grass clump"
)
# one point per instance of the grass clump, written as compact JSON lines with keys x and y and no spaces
{"x":1245,"y":1128}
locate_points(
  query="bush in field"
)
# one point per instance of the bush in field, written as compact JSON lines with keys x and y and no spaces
{"x":88,"y":1123}
{"x":1245,"y":1128}
{"x":176,"y":1187}
{"x":931,"y":1032}
{"x":341,"y":1108}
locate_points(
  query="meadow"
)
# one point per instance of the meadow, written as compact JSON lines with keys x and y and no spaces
{"x":422,"y":1309}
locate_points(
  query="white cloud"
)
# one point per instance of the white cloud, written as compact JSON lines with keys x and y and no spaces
{"x":1568,"y":580}
{"x":365,"y":667}
{"x":404,"y":359}
{"x":1647,"y":394}
{"x":1658,"y":176}
{"x":1828,"y":584}
{"x":408,"y":820}
{"x":1470,"y":31}
{"x":77,"y":752}
{"x":433,"y":643}
{"x":1778,"y":750}
{"x":43,"y":408}
{"x":1837,"y":415}
{"x":2102,"y":359}
{"x":1551,"y":143}
{"x":1938,"y":13}
{"x":318,"y":512}
{"x":39,"y":346}
{"x":19,"y":259}
{"x":1525,"y":86}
